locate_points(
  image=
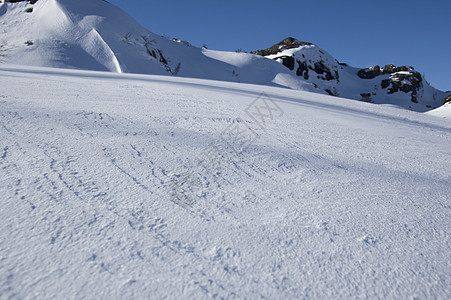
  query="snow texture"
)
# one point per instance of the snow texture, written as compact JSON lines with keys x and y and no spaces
{"x":119,"y":186}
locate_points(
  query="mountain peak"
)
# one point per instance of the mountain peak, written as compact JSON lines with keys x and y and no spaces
{"x":15,"y":1}
{"x":287,"y":43}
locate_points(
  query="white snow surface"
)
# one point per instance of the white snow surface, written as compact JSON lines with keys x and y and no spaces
{"x":443,"y":111}
{"x":103,"y":196}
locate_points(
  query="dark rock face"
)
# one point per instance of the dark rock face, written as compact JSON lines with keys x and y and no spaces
{"x":402,"y":78}
{"x":287,"y":43}
{"x":390,"y":69}
{"x":288,"y":61}
{"x":315,"y":66}
{"x":373,"y":72}
{"x":369,"y":73}
{"x":302,"y":69}
{"x":322,"y":69}
{"x":15,"y":1}
{"x":329,"y":92}
{"x":366,"y":97}
{"x":405,"y":80}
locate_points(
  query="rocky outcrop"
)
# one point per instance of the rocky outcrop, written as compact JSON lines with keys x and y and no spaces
{"x":304,"y":66}
{"x":302,"y":69}
{"x":402,"y":78}
{"x":390,"y":69}
{"x":288,"y":61}
{"x":15,"y":1}
{"x":374,"y":84}
{"x":288,"y":43}
{"x":321,"y":69}
{"x":369,"y":73}
{"x":308,"y":61}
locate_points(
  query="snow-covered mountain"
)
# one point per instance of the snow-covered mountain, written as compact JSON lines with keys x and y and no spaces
{"x":402,"y":85}
{"x":137,"y":186}
{"x":96,"y":35}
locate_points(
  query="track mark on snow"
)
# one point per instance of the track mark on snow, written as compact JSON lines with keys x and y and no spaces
{"x":135,"y":180}
{"x":5,"y":152}
{"x":137,"y":151}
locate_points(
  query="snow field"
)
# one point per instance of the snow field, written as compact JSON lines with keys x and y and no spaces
{"x":333,"y":198}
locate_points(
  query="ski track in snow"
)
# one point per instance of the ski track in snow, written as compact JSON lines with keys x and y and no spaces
{"x":335,"y":199}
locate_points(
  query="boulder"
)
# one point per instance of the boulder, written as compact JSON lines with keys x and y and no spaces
{"x":369,"y":73}
{"x":390,"y":69}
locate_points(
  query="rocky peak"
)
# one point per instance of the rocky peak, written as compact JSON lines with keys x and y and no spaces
{"x":14,"y":1}
{"x":288,"y":43}
{"x":374,"y":84}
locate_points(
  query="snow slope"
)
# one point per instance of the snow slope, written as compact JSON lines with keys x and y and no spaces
{"x":443,"y":111}
{"x":96,"y":35}
{"x":106,"y":191}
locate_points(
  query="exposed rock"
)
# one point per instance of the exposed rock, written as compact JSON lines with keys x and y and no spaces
{"x":287,"y":43}
{"x":369,"y":73}
{"x":405,"y":80}
{"x":288,"y":61}
{"x":305,"y":66}
{"x":321,"y":68}
{"x":302,"y":69}
{"x":366,"y":97}
{"x":373,"y":72}
{"x":162,"y":59}
{"x":329,"y":92}
{"x":390,"y":69}
{"x":402,"y":78}
{"x":15,"y":1}
{"x":386,"y":83}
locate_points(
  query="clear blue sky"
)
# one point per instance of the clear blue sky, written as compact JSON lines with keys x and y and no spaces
{"x":361,"y":33}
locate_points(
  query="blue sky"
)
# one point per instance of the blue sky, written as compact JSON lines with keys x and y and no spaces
{"x":361,"y":33}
